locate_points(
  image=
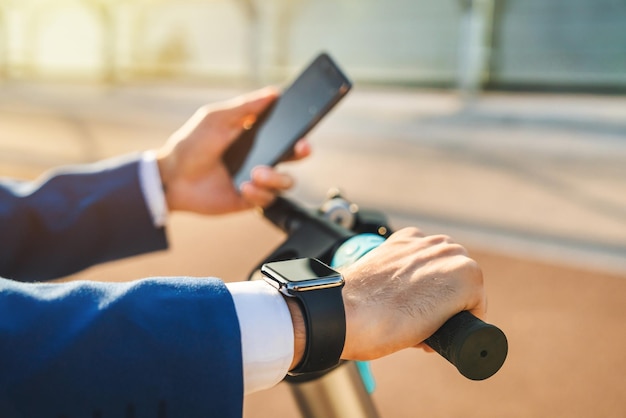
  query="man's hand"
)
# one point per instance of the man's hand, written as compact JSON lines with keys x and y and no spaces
{"x":400,"y":293}
{"x":190,"y":163}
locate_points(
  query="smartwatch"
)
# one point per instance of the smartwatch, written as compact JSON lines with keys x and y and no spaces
{"x":317,"y":288}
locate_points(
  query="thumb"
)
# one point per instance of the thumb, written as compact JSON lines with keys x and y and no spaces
{"x":243,"y":111}
{"x":252,"y":104}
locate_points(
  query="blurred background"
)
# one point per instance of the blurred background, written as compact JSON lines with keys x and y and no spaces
{"x":564,"y":45}
{"x":499,"y":122}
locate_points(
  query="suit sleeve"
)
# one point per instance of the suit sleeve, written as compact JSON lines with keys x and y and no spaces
{"x":159,"y":347}
{"x":74,"y":218}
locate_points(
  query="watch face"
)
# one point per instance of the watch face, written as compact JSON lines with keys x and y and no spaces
{"x":302,"y":274}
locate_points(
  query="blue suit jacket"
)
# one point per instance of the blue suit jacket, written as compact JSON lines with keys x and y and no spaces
{"x":158,"y":347}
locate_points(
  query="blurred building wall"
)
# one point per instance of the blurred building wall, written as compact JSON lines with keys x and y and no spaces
{"x":497,"y":43}
{"x":568,"y":43}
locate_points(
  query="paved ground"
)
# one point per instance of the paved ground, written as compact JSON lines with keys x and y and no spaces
{"x":534,"y":185}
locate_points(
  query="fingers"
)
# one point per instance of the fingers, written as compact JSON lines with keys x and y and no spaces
{"x":408,"y":232}
{"x":453,"y":259}
{"x":265,"y":185}
{"x":268,"y":178}
{"x":412,"y":238}
{"x":301,"y":150}
{"x":257,"y":196}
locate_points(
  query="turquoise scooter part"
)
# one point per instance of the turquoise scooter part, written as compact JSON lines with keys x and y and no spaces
{"x":355,"y":248}
{"x":349,"y":252}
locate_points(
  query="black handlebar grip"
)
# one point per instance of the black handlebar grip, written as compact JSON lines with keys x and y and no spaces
{"x":475,"y":348}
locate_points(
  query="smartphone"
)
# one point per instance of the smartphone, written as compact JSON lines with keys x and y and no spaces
{"x":299,"y":108}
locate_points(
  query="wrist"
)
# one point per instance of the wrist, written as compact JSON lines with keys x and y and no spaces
{"x":316,"y":290}
{"x":299,"y":331}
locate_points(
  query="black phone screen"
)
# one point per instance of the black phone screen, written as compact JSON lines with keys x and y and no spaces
{"x":298,"y":109}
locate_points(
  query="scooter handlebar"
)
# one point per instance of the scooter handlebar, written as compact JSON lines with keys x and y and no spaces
{"x":475,"y":348}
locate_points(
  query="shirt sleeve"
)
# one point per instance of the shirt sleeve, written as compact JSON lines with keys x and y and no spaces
{"x":152,"y":188}
{"x":266,"y":333}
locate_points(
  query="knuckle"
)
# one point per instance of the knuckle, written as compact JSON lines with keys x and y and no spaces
{"x":439,"y":239}
{"x":204,"y":110}
{"x":473,"y":271}
{"x":410,"y":231}
{"x":446,"y":245}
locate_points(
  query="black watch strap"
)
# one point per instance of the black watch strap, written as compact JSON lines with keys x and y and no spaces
{"x":324,"y":317}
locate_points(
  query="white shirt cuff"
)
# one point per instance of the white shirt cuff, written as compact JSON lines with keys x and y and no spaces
{"x":150,"y":182}
{"x":266,"y":333}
